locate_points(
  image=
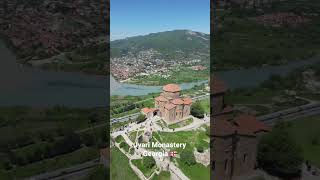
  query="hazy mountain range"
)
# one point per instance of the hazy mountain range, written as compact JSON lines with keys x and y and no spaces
{"x":168,"y":43}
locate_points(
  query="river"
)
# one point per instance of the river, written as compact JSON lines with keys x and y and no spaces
{"x":254,"y":76}
{"x":24,"y":85}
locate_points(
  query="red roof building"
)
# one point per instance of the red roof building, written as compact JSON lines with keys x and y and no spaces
{"x":169,"y":105}
{"x":146,"y":110}
{"x":177,"y":101}
{"x":243,"y":124}
{"x":161,"y":98}
{"x":235,"y":137}
{"x":187,"y":100}
{"x":171,"y":88}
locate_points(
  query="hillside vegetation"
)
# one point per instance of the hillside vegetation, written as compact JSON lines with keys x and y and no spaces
{"x":277,"y":34}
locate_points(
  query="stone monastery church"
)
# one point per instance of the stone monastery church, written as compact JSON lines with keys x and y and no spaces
{"x":234,"y":137}
{"x":169,"y":105}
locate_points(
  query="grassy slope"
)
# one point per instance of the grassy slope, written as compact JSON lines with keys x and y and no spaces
{"x":63,"y":161}
{"x":164,"y":175}
{"x":192,"y":138}
{"x":205,"y":105}
{"x":27,"y":126}
{"x":181,"y":124}
{"x":195,"y":172}
{"x":304,"y":130}
{"x":146,"y":171}
{"x":98,"y":173}
{"x":120,"y":168}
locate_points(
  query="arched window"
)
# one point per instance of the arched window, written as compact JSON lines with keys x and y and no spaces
{"x":245,"y":157}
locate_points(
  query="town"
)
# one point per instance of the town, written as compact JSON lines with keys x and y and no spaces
{"x":149,"y":62}
{"x":150,"y":58}
{"x":46,"y":33}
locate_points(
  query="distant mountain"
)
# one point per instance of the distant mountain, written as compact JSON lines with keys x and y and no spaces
{"x":168,"y":43}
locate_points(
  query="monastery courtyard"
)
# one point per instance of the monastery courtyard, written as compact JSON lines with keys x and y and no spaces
{"x":191,"y":131}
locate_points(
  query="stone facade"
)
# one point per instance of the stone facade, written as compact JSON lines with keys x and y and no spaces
{"x":169,"y":105}
{"x":234,"y":138}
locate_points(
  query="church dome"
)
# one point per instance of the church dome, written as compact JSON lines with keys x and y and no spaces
{"x":171,"y":88}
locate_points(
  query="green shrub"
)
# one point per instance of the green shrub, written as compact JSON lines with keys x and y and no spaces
{"x":141,"y":118}
{"x":197,"y":110}
{"x":200,"y":149}
{"x":149,"y":162}
{"x":187,"y":157}
{"x":279,"y":153}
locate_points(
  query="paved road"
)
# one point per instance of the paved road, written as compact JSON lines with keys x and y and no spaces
{"x":292,"y":113}
{"x":77,"y":170}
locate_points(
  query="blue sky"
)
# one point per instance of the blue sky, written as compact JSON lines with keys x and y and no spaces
{"x":139,"y":17}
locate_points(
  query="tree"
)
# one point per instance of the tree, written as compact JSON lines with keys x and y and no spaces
{"x":197,"y":110}
{"x":93,"y":118}
{"x":148,"y":161}
{"x":187,"y":157}
{"x":87,"y":139}
{"x":278,"y":153}
{"x":141,"y":118}
{"x":7,"y":165}
{"x":200,"y":149}
{"x":69,"y":143}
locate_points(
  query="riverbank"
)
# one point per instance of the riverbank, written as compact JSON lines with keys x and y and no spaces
{"x":28,"y":86}
{"x":301,"y":86}
{"x":89,"y":60}
{"x":175,"y":75}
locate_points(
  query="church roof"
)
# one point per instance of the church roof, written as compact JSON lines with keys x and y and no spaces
{"x":247,"y":124}
{"x":146,"y":110}
{"x":161,"y":98}
{"x":171,"y":88}
{"x":169,"y":106}
{"x":177,"y":101}
{"x":243,"y":125}
{"x":217,"y":86}
{"x":187,"y":100}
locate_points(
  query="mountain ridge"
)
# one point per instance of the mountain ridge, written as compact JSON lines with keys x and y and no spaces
{"x":168,"y":42}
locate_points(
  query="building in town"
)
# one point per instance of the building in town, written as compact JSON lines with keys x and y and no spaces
{"x":169,"y":105}
{"x":234,"y":137}
{"x":245,"y":3}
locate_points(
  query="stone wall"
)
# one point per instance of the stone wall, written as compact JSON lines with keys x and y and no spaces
{"x":217,"y":101}
{"x":171,"y":95}
{"x":233,"y":156}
